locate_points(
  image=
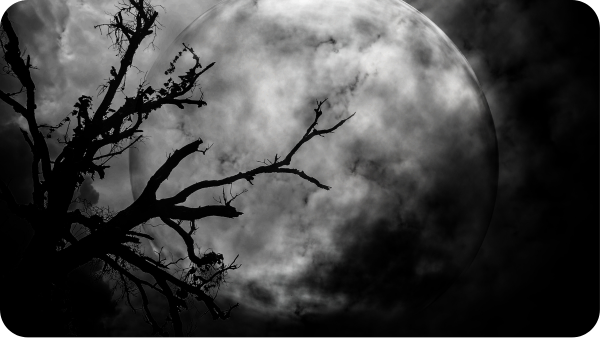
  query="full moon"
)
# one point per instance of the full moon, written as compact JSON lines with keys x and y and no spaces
{"x":413,"y":173}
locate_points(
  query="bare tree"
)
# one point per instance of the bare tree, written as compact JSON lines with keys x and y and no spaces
{"x":114,"y":238}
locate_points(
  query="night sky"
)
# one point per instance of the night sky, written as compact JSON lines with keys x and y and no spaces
{"x":536,"y":272}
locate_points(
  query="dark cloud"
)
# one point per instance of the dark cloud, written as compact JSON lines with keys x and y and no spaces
{"x":377,"y":266}
{"x":538,"y":64}
{"x":259,"y":293}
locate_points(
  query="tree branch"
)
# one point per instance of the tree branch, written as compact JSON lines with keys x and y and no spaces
{"x":143,"y":105}
{"x":188,"y":214}
{"x":138,"y":282}
{"x":93,"y":222}
{"x":173,"y":305}
{"x":303,"y":175}
{"x":15,"y":104}
{"x":146,"y":236}
{"x":189,"y":243}
{"x":130,"y":257}
{"x":143,"y":28}
{"x":38,"y":191}
{"x":12,"y":56}
{"x":165,"y":170}
{"x":231,"y":266}
{"x":116,"y":153}
{"x":274,"y":167}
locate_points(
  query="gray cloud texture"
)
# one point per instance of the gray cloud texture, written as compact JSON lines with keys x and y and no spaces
{"x":413,"y":173}
{"x":533,"y":62}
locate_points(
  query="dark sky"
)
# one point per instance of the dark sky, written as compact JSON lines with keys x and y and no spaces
{"x":536,"y":273}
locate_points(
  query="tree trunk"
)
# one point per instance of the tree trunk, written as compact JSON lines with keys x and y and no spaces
{"x":31,"y":304}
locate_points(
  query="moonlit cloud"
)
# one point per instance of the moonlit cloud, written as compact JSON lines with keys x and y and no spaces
{"x":393,"y":168}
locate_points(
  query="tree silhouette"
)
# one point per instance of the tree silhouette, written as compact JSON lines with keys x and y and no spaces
{"x":90,"y":139}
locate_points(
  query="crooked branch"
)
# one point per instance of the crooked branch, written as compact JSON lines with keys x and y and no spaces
{"x":278,"y":166}
{"x":165,"y":170}
{"x":135,"y":260}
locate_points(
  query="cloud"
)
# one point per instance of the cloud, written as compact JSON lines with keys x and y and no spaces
{"x":413,"y":173}
{"x":538,"y":87}
{"x":528,"y":60}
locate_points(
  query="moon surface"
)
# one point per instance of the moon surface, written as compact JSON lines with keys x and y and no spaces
{"x":413,"y":173}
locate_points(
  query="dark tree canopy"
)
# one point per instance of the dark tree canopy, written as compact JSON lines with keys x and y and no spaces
{"x":90,"y":138}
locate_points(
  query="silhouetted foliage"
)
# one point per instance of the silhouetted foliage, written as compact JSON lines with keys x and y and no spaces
{"x":90,"y":140}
